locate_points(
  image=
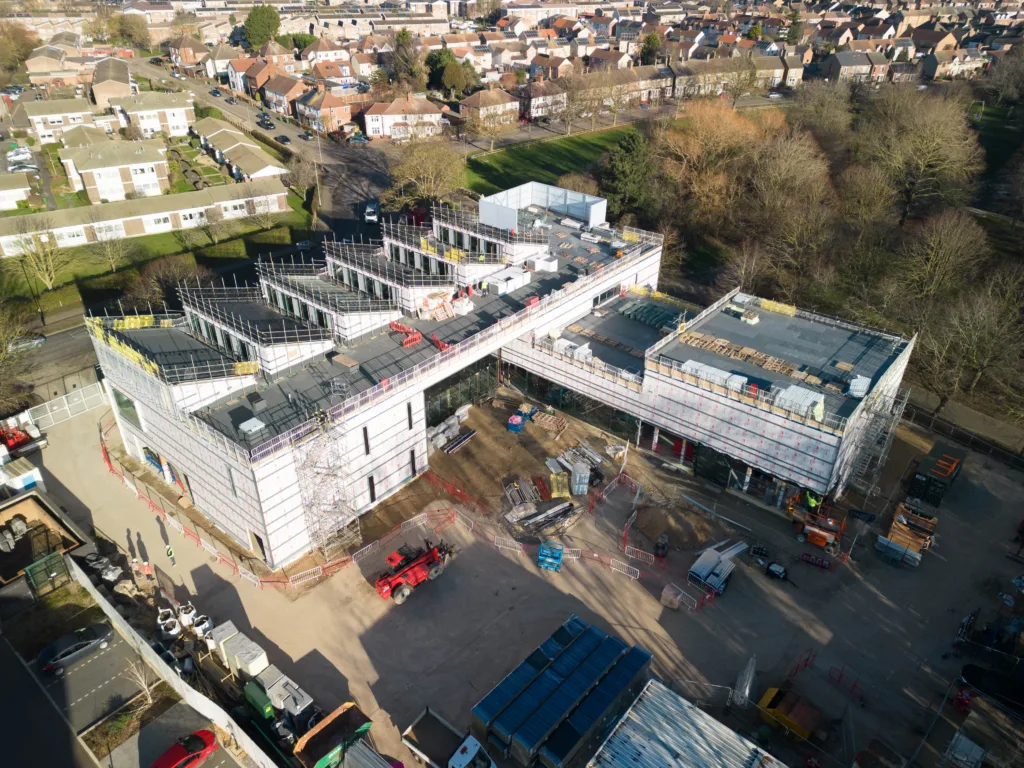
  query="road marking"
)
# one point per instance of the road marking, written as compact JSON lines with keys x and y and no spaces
{"x":82,"y":665}
{"x":90,"y":693}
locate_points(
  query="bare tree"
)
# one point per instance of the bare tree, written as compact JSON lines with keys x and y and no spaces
{"x":261,"y":213}
{"x":944,"y":252}
{"x":923,"y":145}
{"x":748,"y":265}
{"x":742,"y":83}
{"x":579,"y":182}
{"x":486,"y":128}
{"x":866,"y":199}
{"x":12,"y":361}
{"x":990,"y":324}
{"x":113,"y":249}
{"x":157,"y":282}
{"x":213,"y":224}
{"x":41,"y":254}
{"x":301,"y":175}
{"x":1017,"y":189}
{"x":138,"y":673}
{"x":425,"y":170}
{"x":577,"y":98}
{"x":824,"y":109}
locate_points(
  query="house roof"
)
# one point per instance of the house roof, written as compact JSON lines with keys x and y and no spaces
{"x":84,"y":136}
{"x":54,"y":107}
{"x":114,"y":154}
{"x":186,"y":42}
{"x":543,"y":60}
{"x":539,"y":89}
{"x":326,"y":69}
{"x":47,"y":52}
{"x":66,"y":38}
{"x":407,"y":106}
{"x":143,"y":206}
{"x":242,"y":65}
{"x":209,"y":127}
{"x":322,"y":44}
{"x":261,"y":67}
{"x":111,"y":69}
{"x":149,"y":100}
{"x":11,"y":181}
{"x":488,"y":98}
{"x":283,"y":84}
{"x":251,"y":160}
{"x":221,"y":52}
{"x":272,"y":48}
{"x":601,"y":53}
{"x":317,"y":99}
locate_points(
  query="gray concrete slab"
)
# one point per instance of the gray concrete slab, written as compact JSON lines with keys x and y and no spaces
{"x":142,"y":749}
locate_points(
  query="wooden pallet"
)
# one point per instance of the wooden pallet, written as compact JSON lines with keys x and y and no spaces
{"x":542,"y":488}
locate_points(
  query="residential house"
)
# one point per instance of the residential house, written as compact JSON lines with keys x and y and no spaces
{"x":241,"y":155}
{"x":153,"y":11}
{"x":280,"y":91}
{"x":541,"y":98}
{"x":602,"y":26}
{"x":928,"y":40}
{"x":144,"y":216}
{"x":110,"y":80}
{"x":117,"y":170}
{"x":335,"y":74}
{"x":549,"y":67}
{"x":257,"y":75}
{"x":903,"y":49}
{"x":274,"y":53}
{"x":215,"y":63}
{"x":855,"y":66}
{"x":962,"y":63}
{"x":710,"y":77}
{"x":14,"y":188}
{"x":322,"y":111}
{"x":565,"y":27}
{"x":154,"y":113}
{"x":236,"y":74}
{"x":794,"y":67}
{"x":609,"y":59}
{"x":512,"y":24}
{"x":770,"y":71}
{"x":47,"y":120}
{"x":404,"y":118}
{"x":69,"y":42}
{"x":84,"y":136}
{"x":186,"y":51}
{"x":492,"y":106}
{"x":324,"y":50}
{"x":365,"y":64}
{"x":904,"y":72}
{"x":45,"y":58}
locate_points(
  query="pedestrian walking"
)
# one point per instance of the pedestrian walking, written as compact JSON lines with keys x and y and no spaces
{"x":135,"y":568}
{"x":170,"y":555}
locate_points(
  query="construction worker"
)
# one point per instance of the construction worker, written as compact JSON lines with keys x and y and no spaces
{"x":135,"y":568}
{"x":170,"y":555}
{"x":147,"y":570}
{"x":812,"y":502}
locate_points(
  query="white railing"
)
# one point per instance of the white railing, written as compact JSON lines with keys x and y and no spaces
{"x":500,"y":542}
{"x":620,"y":567}
{"x":366,"y":551}
{"x":307,"y":575}
{"x":638,"y":554}
{"x":63,"y":408}
{"x":415,"y":522}
{"x":572,"y":554}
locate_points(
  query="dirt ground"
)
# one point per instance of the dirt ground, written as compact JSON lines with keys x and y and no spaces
{"x":884,"y":632}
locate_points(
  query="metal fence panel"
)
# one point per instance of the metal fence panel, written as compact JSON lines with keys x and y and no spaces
{"x":621,"y":567}
{"x":572,"y":554}
{"x":366,"y":551}
{"x":639,"y":554}
{"x":510,"y":544}
{"x":308,"y":575}
{"x":415,"y":522}
{"x":63,"y":408}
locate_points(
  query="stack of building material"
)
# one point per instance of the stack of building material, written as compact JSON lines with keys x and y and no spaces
{"x":459,"y":441}
{"x":518,"y":491}
{"x":554,"y":425}
{"x":542,"y":488}
{"x":580,"y":480}
{"x":559,"y":485}
{"x":558,"y":515}
{"x":462,"y":306}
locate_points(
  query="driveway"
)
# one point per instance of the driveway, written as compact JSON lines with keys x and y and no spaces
{"x":142,"y":749}
{"x":94,"y":687}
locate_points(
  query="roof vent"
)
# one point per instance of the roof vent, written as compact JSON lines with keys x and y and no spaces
{"x":257,"y":402}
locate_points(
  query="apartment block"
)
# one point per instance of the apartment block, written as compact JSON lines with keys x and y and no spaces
{"x":290,"y":407}
{"x":144,"y":216}
{"x":155,"y":113}
{"x":117,"y":170}
{"x":47,"y":120}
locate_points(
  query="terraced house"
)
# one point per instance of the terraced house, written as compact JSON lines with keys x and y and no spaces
{"x":155,"y":114}
{"x":117,"y":170}
{"x":47,"y":120}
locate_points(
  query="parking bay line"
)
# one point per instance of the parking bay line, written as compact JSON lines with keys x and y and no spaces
{"x":90,"y":693}
{"x":84,"y":664}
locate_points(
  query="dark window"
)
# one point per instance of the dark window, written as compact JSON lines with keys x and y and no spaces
{"x":126,"y":407}
{"x":412,"y":461}
{"x":366,"y":440}
{"x":373,"y":489}
{"x":409,"y":406}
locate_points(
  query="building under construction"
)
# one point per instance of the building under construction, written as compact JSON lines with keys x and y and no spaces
{"x":287,"y":409}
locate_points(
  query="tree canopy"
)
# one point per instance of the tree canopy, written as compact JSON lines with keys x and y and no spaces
{"x":261,"y":25}
{"x":436,"y":63}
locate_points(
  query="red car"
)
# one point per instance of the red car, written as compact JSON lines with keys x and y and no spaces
{"x":189,"y":752}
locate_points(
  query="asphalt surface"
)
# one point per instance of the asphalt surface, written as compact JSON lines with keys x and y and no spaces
{"x":142,"y":749}
{"x":65,"y":362}
{"x":42,"y":736}
{"x":95,"y":687}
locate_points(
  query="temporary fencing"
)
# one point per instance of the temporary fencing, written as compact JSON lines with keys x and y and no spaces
{"x":639,"y":554}
{"x":621,"y":567}
{"x":366,"y":551}
{"x":510,"y":544}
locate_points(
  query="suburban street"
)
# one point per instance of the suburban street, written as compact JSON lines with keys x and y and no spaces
{"x":42,"y":739}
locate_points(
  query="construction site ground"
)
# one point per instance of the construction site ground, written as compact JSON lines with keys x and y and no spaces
{"x":883,"y":633}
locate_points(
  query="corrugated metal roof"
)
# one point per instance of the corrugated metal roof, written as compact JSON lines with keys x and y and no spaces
{"x":662,"y":730}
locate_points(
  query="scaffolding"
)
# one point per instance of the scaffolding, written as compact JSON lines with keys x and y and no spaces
{"x":372,"y":262}
{"x":282,"y":329}
{"x":334,"y":296}
{"x":883,"y":415}
{"x":323,"y":485}
{"x":423,"y":240}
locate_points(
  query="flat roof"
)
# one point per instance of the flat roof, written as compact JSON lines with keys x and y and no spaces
{"x":616,"y":338}
{"x":173,"y":348}
{"x":812,"y":343}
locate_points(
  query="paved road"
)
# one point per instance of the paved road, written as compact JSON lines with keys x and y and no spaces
{"x":142,"y":749}
{"x":94,"y":687}
{"x":43,"y":737}
{"x":68,"y":353}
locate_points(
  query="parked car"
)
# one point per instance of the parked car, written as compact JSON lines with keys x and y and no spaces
{"x":306,"y":136}
{"x":23,"y":168}
{"x":304,"y":245}
{"x":27,"y":342}
{"x":282,"y":139}
{"x":74,"y":647}
{"x":370,"y":215}
{"x":191,"y":751}
{"x":21,"y":155}
{"x":215,"y":93}
{"x":156,"y":61}
{"x":230,"y":100}
{"x":774,"y":96}
{"x":359,"y":138}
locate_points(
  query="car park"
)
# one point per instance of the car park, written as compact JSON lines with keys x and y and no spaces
{"x":26,"y":342}
{"x":73,"y":647}
{"x":191,"y":751}
{"x":282,"y":139}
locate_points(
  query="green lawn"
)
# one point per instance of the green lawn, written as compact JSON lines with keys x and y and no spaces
{"x":541,"y":161}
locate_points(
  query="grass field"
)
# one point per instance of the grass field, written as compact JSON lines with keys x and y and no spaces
{"x":542,"y":161}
